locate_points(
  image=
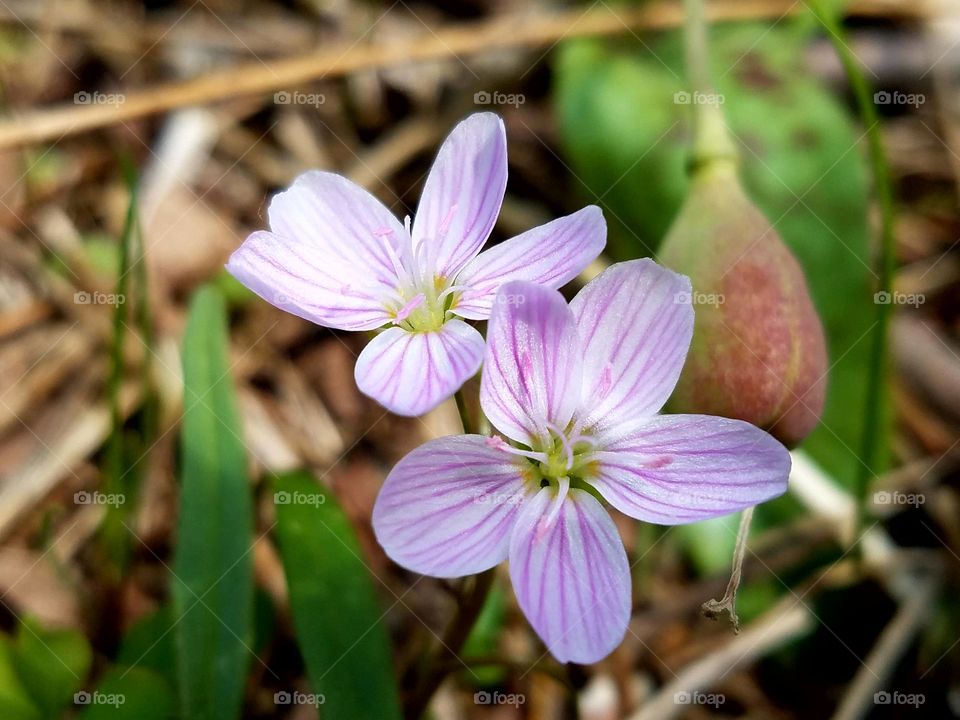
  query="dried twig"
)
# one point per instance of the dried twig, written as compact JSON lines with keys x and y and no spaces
{"x":728,"y":603}
{"x":509,"y":31}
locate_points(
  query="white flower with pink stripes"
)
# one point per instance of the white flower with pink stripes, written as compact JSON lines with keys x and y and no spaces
{"x":336,"y":256}
{"x":575,"y":393}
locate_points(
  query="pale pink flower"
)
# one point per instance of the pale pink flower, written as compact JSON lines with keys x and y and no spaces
{"x":337,"y":257}
{"x":576,"y":392}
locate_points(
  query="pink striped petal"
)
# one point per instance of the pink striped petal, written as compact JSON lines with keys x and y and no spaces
{"x":411,"y":373}
{"x":297,"y":278}
{"x":674,"y":469}
{"x":532,"y":370}
{"x":550,"y":255}
{"x":326,"y":211}
{"x":327,"y":258}
{"x":571,"y":576}
{"x":636,"y":321}
{"x":461,"y":198}
{"x":447,"y":509}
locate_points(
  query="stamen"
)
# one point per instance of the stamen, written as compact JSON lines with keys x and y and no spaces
{"x":409,"y":261}
{"x":386,"y":236}
{"x":452,"y":289}
{"x":547,"y":521}
{"x":404,"y":312}
{"x":498,"y":443}
{"x":576,"y":439}
{"x":567,"y":446}
{"x":421,"y":261}
{"x":577,"y":426}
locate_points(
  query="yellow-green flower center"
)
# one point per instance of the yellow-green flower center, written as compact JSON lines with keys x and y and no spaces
{"x":424,"y":307}
{"x":562,"y":455}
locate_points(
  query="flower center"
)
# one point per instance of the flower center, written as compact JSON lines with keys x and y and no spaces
{"x":423,"y":298}
{"x":564,"y":454}
{"x":562,"y":459}
{"x":424,"y":307}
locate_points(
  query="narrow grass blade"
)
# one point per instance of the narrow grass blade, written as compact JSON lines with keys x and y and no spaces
{"x":213,"y":569}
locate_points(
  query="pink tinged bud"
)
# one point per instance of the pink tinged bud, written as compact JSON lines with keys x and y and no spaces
{"x":758,"y":352}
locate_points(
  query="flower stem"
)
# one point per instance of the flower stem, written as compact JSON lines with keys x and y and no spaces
{"x":874,"y":406}
{"x":711,"y":138}
{"x":470,"y":606}
{"x":469,"y":427}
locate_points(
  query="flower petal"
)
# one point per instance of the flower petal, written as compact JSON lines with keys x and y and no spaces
{"x":327,"y":258}
{"x":636,"y":321}
{"x":326,"y":211}
{"x":462,"y":195}
{"x":532,"y":370}
{"x":297,"y":278}
{"x":411,"y":373}
{"x":571,"y":576}
{"x":447,"y":509}
{"x":550,"y":255}
{"x":675,"y":469}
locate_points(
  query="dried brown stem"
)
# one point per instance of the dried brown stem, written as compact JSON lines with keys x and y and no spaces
{"x":507,"y":31}
{"x":728,"y":603}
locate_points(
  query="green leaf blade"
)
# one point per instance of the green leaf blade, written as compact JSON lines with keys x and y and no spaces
{"x":338,"y":622}
{"x":213,"y":568}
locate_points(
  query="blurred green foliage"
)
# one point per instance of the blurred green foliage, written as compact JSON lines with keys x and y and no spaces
{"x":131,"y":694}
{"x":149,"y":645}
{"x":40,"y":670}
{"x":484,"y":640}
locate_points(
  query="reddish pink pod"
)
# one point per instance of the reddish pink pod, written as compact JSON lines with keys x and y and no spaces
{"x":758,"y":352}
